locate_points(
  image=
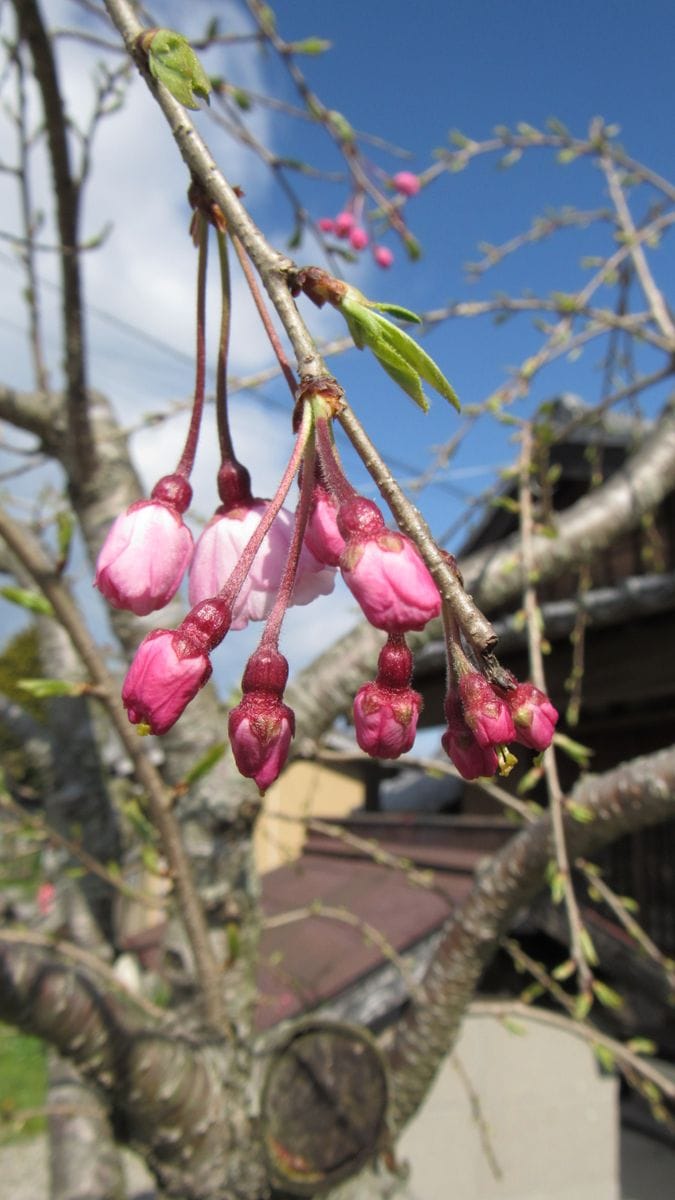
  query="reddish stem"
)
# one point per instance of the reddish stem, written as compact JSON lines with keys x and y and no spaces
{"x":187,"y":458}
{"x":271,"y":332}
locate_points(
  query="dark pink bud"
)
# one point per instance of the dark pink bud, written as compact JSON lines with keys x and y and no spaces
{"x":266,"y":671}
{"x":383,"y":256}
{"x":386,"y":574}
{"x":344,"y":223}
{"x":234,"y":485}
{"x":358,"y":238}
{"x":485,"y":712}
{"x":144,"y":557}
{"x":385,"y":719}
{"x":359,"y":517}
{"x":162,"y":680}
{"x":322,"y":535}
{"x":395,"y":664}
{"x":406,"y":183}
{"x":261,"y":728}
{"x":472,"y":760}
{"x":534,"y":717}
{"x":205,"y":626}
{"x":173,"y":490}
{"x":326,"y":224}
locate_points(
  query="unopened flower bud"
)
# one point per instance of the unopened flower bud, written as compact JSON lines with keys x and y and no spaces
{"x":385,"y":719}
{"x":322,"y":535}
{"x":471,"y":760}
{"x":534,"y":717}
{"x":344,"y":223}
{"x":383,"y":256}
{"x":261,"y":728}
{"x":384,"y":571}
{"x":358,"y":238}
{"x":144,"y":556}
{"x":162,"y":680}
{"x":485,"y":712}
{"x":326,"y":224}
{"x":265,"y":671}
{"x":407,"y":183}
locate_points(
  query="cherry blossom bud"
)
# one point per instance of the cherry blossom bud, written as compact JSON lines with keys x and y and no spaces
{"x":534,"y":717}
{"x":358,"y":238}
{"x":383,"y":256}
{"x":485,"y":712}
{"x":472,"y":760}
{"x":406,"y":183}
{"x":386,"y":712}
{"x":164,"y":677}
{"x":322,"y":535}
{"x":326,"y":224}
{"x":344,"y":223}
{"x":220,"y":547}
{"x":144,"y":557}
{"x":384,"y":571}
{"x":385,"y":719}
{"x":261,"y":728}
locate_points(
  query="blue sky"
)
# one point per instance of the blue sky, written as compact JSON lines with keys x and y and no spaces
{"x":410,"y":74}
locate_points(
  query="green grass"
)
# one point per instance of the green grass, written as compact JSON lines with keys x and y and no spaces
{"x":22,"y":1082}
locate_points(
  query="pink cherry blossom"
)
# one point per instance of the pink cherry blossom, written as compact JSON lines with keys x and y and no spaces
{"x":485,"y":712}
{"x":220,"y":547}
{"x":165,"y":675}
{"x":144,"y":557}
{"x":261,"y":728}
{"x":534,"y":717}
{"x":326,"y":224}
{"x":383,"y":256}
{"x":406,"y":183}
{"x":385,"y":719}
{"x":322,"y":535}
{"x":358,"y":238}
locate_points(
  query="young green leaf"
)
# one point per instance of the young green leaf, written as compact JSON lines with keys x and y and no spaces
{"x":173,"y":62}
{"x":33,"y":601}
{"x":42,"y":689}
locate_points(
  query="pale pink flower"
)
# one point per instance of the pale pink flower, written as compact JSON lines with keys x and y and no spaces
{"x":383,"y":256}
{"x":220,"y":547}
{"x":322,"y":535}
{"x":261,"y":728}
{"x":534,"y":717}
{"x":385,"y":719}
{"x":485,"y":712}
{"x":358,"y":238}
{"x":165,"y":675}
{"x":406,"y":183}
{"x":144,"y":557}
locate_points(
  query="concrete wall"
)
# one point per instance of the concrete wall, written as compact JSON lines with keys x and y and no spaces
{"x":551,"y":1121}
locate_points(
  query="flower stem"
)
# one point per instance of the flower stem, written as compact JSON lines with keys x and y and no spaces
{"x":224,"y":435}
{"x":273,"y":626}
{"x":187,"y":458}
{"x":271,"y":332}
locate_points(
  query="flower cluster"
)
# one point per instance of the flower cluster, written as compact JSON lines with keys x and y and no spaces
{"x":255,"y":558}
{"x":348,"y":223}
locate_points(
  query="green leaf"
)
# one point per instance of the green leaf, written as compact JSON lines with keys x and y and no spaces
{"x":65,"y":527}
{"x":341,"y":126}
{"x":43,"y":688}
{"x":583,"y":1005}
{"x":400,"y":371}
{"x":580,"y":813}
{"x":604,"y":1056}
{"x":641,"y":1045}
{"x":575,"y":750}
{"x":173,"y":62}
{"x":514,"y":1026}
{"x":33,"y":601}
{"x":396,"y":310}
{"x":587,"y":948}
{"x":206,"y":763}
{"x":564,"y":970}
{"x":606,"y":995}
{"x":311,"y":45}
